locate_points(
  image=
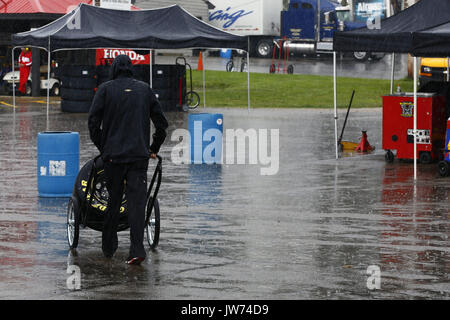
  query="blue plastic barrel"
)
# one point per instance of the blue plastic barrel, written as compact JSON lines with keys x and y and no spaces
{"x":58,"y":163}
{"x":224,"y":53}
{"x":206,"y":132}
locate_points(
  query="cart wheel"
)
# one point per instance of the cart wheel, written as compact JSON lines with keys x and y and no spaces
{"x":229,"y":66}
{"x":272,"y":68}
{"x":443,"y":168}
{"x":389,"y":156}
{"x":290,"y":69}
{"x":192,"y":99}
{"x":152,"y":229}
{"x":73,"y":223}
{"x":425,"y":158}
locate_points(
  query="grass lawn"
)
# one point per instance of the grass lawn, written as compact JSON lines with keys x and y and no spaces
{"x":229,"y":89}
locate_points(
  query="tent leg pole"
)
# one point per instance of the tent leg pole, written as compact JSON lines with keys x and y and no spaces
{"x":335,"y":104}
{"x":392,"y":71}
{"x":204,"y":86}
{"x":415,"y":118}
{"x":248,"y":80}
{"x":448,"y":69}
{"x":14,"y":83}
{"x":151,"y":70}
{"x":48,"y":83}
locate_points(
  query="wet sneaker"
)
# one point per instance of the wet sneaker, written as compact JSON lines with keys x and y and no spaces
{"x":134,"y":261}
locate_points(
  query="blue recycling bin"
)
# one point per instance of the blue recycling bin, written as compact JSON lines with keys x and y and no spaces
{"x":206,"y":133}
{"x":58,"y":163}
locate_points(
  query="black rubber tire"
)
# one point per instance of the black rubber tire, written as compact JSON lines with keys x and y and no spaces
{"x":361,"y":55}
{"x":192,"y":99}
{"x":272,"y":68}
{"x":73,"y":222}
{"x":155,"y":222}
{"x":230,"y":65}
{"x":264,"y":48}
{"x":55,"y":90}
{"x":443,"y":168}
{"x":290,"y":69}
{"x":243,"y":66}
{"x":75,"y":106}
{"x":77,"y":94}
{"x":76,"y":71}
{"x":78,"y":83}
{"x":164,"y":83}
{"x":389,"y":156}
{"x":164,"y":94}
{"x":425,"y":157}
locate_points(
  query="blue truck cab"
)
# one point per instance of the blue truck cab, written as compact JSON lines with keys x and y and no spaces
{"x":300,"y":21}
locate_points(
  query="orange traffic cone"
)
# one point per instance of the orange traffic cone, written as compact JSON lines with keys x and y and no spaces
{"x":200,"y":62}
{"x":364,"y":145}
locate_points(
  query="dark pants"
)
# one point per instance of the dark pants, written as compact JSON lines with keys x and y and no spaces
{"x":135,"y":176}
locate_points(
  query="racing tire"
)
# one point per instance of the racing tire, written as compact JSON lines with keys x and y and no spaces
{"x":77,"y":94}
{"x":75,"y":106}
{"x":76,"y":71}
{"x":152,"y":229}
{"x":73,"y":223}
{"x":78,"y":83}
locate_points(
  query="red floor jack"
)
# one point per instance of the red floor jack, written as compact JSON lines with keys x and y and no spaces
{"x":287,"y":68}
{"x":364,"y":145}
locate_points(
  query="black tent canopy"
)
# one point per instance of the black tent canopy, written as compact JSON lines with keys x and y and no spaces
{"x":91,"y":27}
{"x":395,"y":34}
{"x":422,"y":30}
{"x":432,"y":42}
{"x":94,"y":27}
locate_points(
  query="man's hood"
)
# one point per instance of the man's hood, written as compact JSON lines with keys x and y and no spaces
{"x":121,"y":66}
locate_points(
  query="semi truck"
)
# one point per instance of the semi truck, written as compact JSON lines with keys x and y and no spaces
{"x":305,"y":28}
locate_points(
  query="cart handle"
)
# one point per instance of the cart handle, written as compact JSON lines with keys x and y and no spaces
{"x":156,"y":177}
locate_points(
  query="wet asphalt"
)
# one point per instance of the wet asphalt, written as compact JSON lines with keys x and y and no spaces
{"x":311,"y":231}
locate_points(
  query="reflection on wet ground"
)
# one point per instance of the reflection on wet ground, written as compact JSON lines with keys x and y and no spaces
{"x":308,"y":232}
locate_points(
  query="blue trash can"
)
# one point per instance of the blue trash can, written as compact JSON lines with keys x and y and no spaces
{"x":206,"y":131}
{"x":224,"y":53}
{"x":58,"y":163}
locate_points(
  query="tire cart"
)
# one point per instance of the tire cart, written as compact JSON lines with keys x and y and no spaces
{"x":191,"y":98}
{"x":287,"y":68}
{"x":89,"y":202}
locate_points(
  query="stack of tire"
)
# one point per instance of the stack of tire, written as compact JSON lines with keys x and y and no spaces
{"x":78,"y":85}
{"x":103,"y":73}
{"x":169,"y":85}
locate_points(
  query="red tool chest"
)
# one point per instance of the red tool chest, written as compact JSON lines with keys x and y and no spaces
{"x":398,"y":126}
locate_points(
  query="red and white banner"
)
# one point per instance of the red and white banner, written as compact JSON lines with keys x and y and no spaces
{"x":106,"y":56}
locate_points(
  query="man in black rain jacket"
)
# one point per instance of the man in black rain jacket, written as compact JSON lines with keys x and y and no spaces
{"x":119,"y":126}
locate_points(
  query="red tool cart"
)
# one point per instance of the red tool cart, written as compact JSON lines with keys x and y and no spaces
{"x":398,"y":126}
